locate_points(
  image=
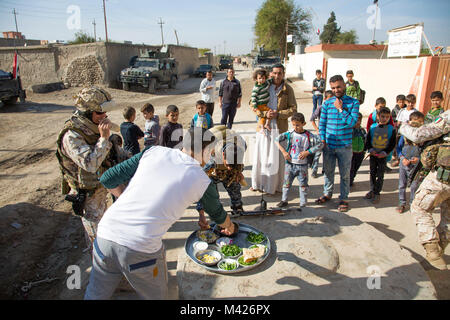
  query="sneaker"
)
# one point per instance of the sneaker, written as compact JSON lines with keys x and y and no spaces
{"x":376,"y":198}
{"x":282,"y":204}
{"x":314,"y":175}
{"x":369,"y":195}
{"x":395,"y":163}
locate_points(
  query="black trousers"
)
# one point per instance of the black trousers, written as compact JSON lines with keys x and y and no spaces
{"x":377,"y":168}
{"x":210,"y":108}
{"x":357,"y":160}
{"x":228,"y":113}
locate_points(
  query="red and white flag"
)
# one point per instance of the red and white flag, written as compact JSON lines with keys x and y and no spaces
{"x":318,"y":31}
{"x":15,"y":66}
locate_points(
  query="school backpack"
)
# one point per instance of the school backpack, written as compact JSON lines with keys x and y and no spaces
{"x":310,"y":157}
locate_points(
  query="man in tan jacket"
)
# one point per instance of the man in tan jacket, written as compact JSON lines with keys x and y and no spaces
{"x":286,"y":102}
{"x":283,"y":105}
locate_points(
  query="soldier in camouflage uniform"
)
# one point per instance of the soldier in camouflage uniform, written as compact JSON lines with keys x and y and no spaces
{"x":435,"y":188}
{"x":82,"y":151}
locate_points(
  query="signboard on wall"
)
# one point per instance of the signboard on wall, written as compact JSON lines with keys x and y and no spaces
{"x":405,"y":41}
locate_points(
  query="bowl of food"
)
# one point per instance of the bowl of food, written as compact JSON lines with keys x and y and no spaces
{"x":251,"y":255}
{"x":207,"y":236}
{"x":200,"y":245}
{"x":231,"y":250}
{"x":223,"y":241}
{"x":228,"y":265}
{"x":259,"y":246}
{"x":208,"y":257}
{"x":246,"y":264}
{"x":256,"y":238}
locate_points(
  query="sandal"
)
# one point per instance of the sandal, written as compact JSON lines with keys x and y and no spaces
{"x":401,"y":208}
{"x":343,"y":206}
{"x":323,"y":199}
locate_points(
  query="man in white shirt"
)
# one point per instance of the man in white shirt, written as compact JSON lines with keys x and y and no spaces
{"x":208,"y":90}
{"x":163,"y":182}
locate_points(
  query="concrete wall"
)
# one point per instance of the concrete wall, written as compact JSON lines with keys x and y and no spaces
{"x":187,"y":58}
{"x":383,"y":78}
{"x":304,"y":66}
{"x":356,"y":54}
{"x":47,"y":64}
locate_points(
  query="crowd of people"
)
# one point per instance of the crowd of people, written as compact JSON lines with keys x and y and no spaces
{"x":126,"y":238}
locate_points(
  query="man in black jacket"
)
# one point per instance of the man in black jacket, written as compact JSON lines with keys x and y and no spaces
{"x":230,"y":95}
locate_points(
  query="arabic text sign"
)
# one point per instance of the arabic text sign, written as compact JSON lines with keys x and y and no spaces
{"x":405,"y":43}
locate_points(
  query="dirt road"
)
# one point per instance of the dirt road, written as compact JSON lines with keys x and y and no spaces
{"x":40,"y":237}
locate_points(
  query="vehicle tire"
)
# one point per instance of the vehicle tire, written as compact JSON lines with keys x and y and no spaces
{"x":152,"y":85}
{"x":12,"y":100}
{"x":173,"y":82}
{"x":126,"y":86}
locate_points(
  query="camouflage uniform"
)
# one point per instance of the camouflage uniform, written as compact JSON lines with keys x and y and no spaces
{"x":82,"y":155}
{"x":431,"y":193}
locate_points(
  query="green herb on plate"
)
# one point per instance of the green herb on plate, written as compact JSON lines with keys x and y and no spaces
{"x":256,"y":237}
{"x":231,"y":250}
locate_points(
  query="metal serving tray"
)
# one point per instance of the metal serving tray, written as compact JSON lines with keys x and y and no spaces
{"x":239,"y":239}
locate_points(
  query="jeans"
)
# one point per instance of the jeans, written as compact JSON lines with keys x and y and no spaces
{"x":404,"y":172}
{"x":315,"y":163}
{"x":317,"y":101}
{"x":377,"y":168}
{"x":146,"y":272}
{"x":228,"y":113}
{"x":301,"y":172}
{"x":357,"y":160}
{"x":344,"y":158}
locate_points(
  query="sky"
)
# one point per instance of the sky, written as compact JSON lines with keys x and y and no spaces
{"x":224,"y":26}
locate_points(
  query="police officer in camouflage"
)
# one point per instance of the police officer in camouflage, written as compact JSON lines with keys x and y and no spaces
{"x":435,"y":188}
{"x":82,"y":150}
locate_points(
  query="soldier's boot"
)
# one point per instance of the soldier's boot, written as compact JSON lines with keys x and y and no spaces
{"x":443,"y":242}
{"x":434,"y":255}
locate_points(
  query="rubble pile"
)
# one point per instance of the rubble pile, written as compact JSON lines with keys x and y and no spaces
{"x":84,"y":71}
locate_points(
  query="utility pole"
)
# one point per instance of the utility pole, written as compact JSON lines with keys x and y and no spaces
{"x":106,"y":25}
{"x":95,"y":33}
{"x":161,"y":26}
{"x":176,"y":36}
{"x":285,"y":39}
{"x":17,"y":30}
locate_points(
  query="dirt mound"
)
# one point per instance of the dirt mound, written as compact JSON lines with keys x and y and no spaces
{"x":84,"y":71}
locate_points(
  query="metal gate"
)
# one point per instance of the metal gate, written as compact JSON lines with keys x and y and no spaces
{"x":443,"y":80}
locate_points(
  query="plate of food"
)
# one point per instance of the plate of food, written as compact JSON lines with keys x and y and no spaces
{"x":256,"y":238}
{"x":255,"y":253}
{"x":231,"y":250}
{"x":208,"y":257}
{"x":207,"y":235}
{"x":228,"y":265}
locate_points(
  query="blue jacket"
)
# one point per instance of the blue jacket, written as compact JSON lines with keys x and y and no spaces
{"x":208,"y":120}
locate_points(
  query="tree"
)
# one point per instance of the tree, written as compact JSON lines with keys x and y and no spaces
{"x":82,"y":37}
{"x":349,"y":37}
{"x":202,"y":51}
{"x":271,"y":20}
{"x":330,"y":30}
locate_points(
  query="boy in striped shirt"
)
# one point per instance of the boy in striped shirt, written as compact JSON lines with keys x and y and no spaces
{"x":260,"y":95}
{"x":338,"y":117}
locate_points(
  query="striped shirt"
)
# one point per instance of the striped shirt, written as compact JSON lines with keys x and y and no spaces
{"x":260,"y":94}
{"x":336,"y":127}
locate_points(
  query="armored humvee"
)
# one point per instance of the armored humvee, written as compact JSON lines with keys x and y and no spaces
{"x":10,"y":88}
{"x":150,"y":70}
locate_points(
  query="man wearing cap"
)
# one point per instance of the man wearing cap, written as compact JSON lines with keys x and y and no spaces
{"x":82,"y":150}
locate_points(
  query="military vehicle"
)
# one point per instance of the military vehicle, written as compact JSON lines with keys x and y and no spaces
{"x":225,"y":64}
{"x":10,"y":88}
{"x":266,"y":59}
{"x":150,"y":70}
{"x":203,"y":69}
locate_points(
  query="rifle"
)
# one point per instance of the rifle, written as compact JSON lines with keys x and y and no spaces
{"x":272,"y":211}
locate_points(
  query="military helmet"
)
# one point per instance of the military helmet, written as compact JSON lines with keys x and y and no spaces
{"x":93,"y":99}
